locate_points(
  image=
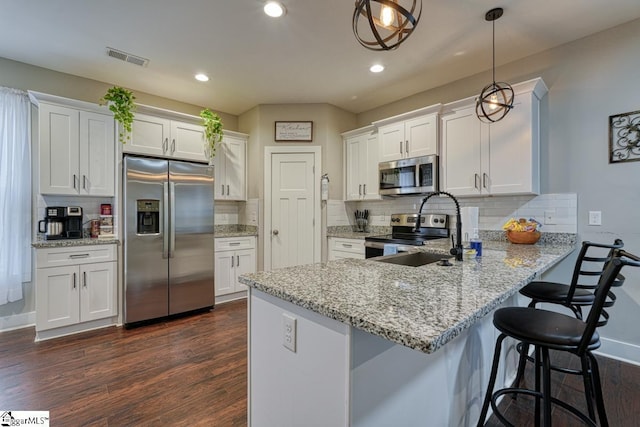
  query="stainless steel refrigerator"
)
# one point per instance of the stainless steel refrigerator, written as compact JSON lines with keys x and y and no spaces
{"x":168,"y":238}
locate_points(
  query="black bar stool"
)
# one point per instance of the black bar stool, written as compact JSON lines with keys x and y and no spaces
{"x":548,"y":330}
{"x":579,"y":293}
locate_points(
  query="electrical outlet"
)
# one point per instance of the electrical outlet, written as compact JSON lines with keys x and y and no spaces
{"x":289,"y":332}
{"x":595,"y":218}
{"x":550,"y":217}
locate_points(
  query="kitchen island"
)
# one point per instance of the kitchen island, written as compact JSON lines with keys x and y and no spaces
{"x":367,"y":343}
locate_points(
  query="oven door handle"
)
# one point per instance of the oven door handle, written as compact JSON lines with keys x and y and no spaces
{"x":374,"y":245}
{"x":380,"y":245}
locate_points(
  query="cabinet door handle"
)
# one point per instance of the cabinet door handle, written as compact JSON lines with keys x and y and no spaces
{"x":364,"y":189}
{"x":476,"y":178}
{"x":234,"y":244}
{"x":401,"y":148}
{"x":237,"y":260}
{"x":406,"y":147}
{"x":173,"y":146}
{"x":165,"y":145}
{"x":359,"y":189}
{"x":74,"y":180}
{"x":232,"y":261}
{"x":484,"y":180}
{"x":84,"y":279}
{"x":75,"y":256}
{"x":222,"y":189}
{"x":227,"y":189}
{"x":346,"y":245}
{"x":84,"y":182}
{"x":74,"y":280}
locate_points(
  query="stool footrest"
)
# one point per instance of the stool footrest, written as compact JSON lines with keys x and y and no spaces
{"x":515,"y":391}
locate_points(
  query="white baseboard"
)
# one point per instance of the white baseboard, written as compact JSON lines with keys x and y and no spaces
{"x":625,"y":352}
{"x":17,"y":321}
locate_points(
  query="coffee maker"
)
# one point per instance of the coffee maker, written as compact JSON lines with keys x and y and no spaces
{"x":61,"y":222}
{"x":53,"y":223}
{"x":73,"y":222}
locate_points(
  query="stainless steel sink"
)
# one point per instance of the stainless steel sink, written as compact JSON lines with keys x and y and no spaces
{"x":413,"y":259}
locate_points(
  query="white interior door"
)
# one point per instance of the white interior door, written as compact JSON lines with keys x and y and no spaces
{"x":294,"y":218}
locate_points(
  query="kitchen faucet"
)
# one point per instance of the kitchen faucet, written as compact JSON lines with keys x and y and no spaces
{"x":457,"y":249}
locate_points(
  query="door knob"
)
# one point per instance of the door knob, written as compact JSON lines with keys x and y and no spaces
{"x":275,"y":232}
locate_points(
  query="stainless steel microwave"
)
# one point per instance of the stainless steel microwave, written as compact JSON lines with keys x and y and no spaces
{"x":417,"y":175}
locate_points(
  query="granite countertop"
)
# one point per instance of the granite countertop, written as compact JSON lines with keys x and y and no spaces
{"x":419,"y":307}
{"x":235,"y":230}
{"x":63,"y":243}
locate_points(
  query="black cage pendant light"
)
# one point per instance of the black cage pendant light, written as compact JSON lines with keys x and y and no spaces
{"x":496,"y":99}
{"x":384,"y":24}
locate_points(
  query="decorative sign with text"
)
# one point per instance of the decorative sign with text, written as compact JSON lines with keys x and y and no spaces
{"x":294,"y":132}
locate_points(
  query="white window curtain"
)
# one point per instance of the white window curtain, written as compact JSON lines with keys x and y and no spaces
{"x":15,"y":193}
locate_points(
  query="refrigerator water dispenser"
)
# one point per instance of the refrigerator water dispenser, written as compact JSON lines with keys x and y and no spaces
{"x":148,"y":213}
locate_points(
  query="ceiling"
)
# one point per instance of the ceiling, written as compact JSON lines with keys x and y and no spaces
{"x":308,"y":56}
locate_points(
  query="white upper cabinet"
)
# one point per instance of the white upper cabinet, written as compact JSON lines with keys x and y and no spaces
{"x":413,"y":134}
{"x":361,"y":164}
{"x":76,"y":147}
{"x":498,"y":158}
{"x":162,"y":137}
{"x":230,"y":165}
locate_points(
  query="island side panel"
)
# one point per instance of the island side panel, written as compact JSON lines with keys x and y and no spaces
{"x":395,"y":385}
{"x":307,"y":388}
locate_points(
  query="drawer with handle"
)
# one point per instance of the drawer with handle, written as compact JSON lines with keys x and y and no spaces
{"x":55,"y":257}
{"x":234,"y":243}
{"x":347,"y":245}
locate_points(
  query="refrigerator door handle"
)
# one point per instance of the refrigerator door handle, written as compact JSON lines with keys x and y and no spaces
{"x":165,"y":220}
{"x":172,"y":222}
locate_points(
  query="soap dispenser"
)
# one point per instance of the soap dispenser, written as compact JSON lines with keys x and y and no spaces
{"x":476,"y":243}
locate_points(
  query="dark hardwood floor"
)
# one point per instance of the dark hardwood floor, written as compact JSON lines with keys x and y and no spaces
{"x":189,"y":371}
{"x":193,"y":371}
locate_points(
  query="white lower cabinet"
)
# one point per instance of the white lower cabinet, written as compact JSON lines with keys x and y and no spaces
{"x":345,"y":248}
{"x":75,"y":285}
{"x":234,"y":256}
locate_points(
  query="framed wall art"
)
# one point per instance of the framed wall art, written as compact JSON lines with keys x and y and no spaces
{"x":624,"y":137}
{"x":294,"y":131}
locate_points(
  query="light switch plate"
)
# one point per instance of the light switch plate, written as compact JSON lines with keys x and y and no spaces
{"x":595,"y":218}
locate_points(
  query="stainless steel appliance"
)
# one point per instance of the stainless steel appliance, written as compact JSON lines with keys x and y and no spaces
{"x":417,"y":175}
{"x":169,"y":242}
{"x":404,"y":235}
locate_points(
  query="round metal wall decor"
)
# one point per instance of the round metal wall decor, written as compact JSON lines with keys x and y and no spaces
{"x":385,"y":24}
{"x":494,"y":102}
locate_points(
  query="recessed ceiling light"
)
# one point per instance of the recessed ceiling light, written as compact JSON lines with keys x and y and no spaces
{"x":202,"y":77}
{"x":274,"y":9}
{"x":376,"y":68}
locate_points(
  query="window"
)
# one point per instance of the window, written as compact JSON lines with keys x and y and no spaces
{"x":15,"y":194}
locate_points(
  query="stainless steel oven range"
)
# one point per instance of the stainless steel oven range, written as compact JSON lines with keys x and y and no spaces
{"x":403,"y":234}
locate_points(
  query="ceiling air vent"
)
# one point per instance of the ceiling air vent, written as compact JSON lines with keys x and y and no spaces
{"x":127,"y":57}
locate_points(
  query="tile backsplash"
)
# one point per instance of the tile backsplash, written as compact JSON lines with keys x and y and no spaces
{"x":560,"y":210}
